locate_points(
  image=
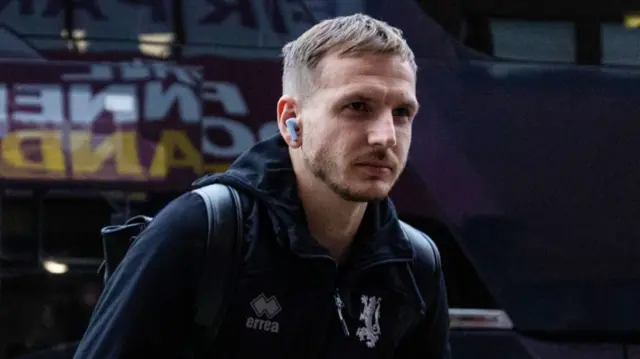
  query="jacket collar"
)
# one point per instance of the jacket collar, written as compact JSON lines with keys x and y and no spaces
{"x":266,"y":173}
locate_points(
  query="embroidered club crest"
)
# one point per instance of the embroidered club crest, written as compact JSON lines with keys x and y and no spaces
{"x":370,"y":317}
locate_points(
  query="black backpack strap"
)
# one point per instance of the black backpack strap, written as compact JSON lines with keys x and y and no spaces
{"x":421,"y":240}
{"x":223,"y":259}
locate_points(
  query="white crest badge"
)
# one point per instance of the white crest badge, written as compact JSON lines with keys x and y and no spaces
{"x":370,"y":316}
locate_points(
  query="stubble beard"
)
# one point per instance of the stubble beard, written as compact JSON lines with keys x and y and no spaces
{"x":322,"y":166}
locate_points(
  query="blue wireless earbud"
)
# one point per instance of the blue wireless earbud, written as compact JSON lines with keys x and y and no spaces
{"x":292,"y":127}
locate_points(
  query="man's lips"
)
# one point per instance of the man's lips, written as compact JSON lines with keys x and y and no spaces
{"x":378,"y":168}
{"x":375,"y":164}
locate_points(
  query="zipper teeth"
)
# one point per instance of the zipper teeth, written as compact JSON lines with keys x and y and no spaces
{"x":339,"y":306}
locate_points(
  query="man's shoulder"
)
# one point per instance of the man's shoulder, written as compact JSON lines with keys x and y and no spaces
{"x":188,"y":204}
{"x":184,"y":216}
{"x":426,"y":253}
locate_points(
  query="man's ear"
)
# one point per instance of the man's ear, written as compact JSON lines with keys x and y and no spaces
{"x":287,"y":109}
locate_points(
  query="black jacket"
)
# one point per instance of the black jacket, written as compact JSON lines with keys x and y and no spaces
{"x":391,"y":289}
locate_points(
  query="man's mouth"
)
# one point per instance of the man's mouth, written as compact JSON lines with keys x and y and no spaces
{"x":376,"y":168}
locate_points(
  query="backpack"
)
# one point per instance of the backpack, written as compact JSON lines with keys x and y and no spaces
{"x":223,"y":259}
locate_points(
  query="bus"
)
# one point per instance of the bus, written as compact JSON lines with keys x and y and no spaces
{"x":523,"y":171}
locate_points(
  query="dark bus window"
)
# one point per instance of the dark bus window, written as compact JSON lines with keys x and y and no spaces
{"x":72,"y":226}
{"x":42,"y":311}
{"x":18,"y":223}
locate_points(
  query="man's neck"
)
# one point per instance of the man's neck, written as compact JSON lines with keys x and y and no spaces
{"x":333,"y":222}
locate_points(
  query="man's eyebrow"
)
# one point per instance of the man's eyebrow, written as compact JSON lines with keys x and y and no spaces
{"x":357,"y":96}
{"x":361,"y":95}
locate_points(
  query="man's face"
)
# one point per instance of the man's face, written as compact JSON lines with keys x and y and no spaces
{"x":357,"y":125}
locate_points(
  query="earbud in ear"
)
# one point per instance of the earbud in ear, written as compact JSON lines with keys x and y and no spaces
{"x":292,"y":128}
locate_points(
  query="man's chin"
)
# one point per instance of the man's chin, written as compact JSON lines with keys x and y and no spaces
{"x":372,"y":193}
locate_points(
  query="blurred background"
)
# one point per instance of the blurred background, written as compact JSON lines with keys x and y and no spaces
{"x":524,"y":169}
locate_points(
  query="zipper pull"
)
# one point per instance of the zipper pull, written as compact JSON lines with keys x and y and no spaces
{"x":339,"y":306}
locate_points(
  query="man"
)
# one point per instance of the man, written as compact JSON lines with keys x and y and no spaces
{"x":329,"y":272}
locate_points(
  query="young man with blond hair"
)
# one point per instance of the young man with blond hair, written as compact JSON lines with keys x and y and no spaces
{"x":329,"y":270}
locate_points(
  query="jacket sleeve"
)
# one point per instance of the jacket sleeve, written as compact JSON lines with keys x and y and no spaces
{"x":430,"y":338}
{"x":146,"y":307}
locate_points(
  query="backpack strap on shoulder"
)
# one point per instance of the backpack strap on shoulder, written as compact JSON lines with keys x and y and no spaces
{"x":224,"y":256}
{"x":420,"y":240}
{"x":427,"y":255}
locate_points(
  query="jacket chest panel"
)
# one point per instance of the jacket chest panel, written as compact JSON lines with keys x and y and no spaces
{"x":274,"y":317}
{"x":294,"y":315}
{"x":377,"y":318}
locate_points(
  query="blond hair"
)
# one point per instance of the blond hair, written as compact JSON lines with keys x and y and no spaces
{"x":354,"y":35}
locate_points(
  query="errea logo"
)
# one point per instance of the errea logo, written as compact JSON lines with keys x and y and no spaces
{"x":267,"y":308}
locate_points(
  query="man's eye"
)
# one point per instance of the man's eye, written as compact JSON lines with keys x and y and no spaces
{"x":401,"y":112}
{"x":357,"y":106}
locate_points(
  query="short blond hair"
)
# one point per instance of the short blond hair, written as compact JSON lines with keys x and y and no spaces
{"x":353,"y":35}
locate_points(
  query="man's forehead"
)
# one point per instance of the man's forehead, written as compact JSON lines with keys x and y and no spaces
{"x":344,"y":72}
{"x":336,"y":69}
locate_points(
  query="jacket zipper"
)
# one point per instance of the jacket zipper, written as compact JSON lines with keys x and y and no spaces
{"x":339,"y":306}
{"x":336,"y":296}
{"x":338,"y":299}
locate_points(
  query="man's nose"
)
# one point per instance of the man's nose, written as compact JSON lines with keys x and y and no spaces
{"x":382,"y":132}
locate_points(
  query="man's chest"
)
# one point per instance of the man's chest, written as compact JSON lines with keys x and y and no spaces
{"x":289,"y":313}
